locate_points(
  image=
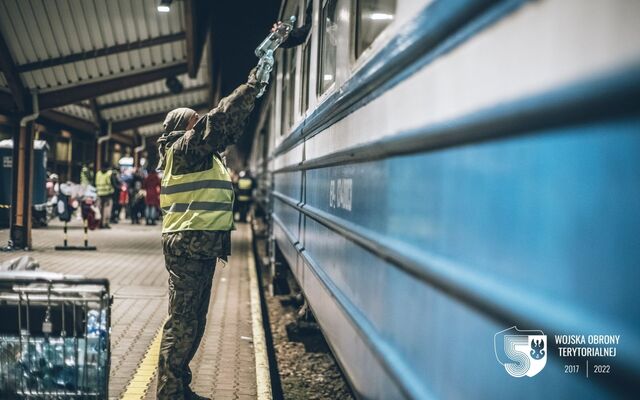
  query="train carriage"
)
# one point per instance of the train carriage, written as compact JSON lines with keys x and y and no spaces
{"x":439,"y":171}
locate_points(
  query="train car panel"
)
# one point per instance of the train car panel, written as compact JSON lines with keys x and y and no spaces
{"x":504,"y":62}
{"x":428,"y":200}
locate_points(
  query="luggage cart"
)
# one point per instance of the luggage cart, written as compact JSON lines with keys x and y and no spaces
{"x":54,"y":336}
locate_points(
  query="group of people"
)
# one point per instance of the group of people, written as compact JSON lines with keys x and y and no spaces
{"x":132,"y":190}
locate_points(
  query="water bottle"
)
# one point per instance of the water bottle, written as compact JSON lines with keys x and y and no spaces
{"x":93,"y":323}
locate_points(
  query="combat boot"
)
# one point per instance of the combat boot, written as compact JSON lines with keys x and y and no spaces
{"x":191,"y":395}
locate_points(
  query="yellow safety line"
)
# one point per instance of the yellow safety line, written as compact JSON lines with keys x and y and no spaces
{"x":139,"y":384}
{"x":263,"y":378}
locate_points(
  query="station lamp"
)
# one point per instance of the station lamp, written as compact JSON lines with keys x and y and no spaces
{"x":174,"y":85}
{"x":164,"y":6}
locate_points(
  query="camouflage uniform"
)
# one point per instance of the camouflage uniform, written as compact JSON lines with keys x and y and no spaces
{"x":190,"y":256}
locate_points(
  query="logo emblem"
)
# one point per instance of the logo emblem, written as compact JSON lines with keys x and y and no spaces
{"x":521,"y":352}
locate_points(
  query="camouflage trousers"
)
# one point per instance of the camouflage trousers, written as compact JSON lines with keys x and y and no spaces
{"x":190,"y":282}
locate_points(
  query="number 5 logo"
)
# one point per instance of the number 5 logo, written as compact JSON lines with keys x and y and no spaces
{"x":521,"y":352}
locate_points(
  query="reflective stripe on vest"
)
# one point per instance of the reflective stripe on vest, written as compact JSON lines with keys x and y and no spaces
{"x":103,"y":183}
{"x":244,"y":189}
{"x":244,"y":183}
{"x":197,"y":201}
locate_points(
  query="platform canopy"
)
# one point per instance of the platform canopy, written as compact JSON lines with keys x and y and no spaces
{"x":92,"y":61}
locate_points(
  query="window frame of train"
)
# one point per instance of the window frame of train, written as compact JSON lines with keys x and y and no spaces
{"x":385,"y":17}
{"x":290,"y":69}
{"x":305,"y":68}
{"x":325,"y":85}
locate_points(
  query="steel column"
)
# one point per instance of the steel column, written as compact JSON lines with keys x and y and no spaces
{"x":20,"y":232}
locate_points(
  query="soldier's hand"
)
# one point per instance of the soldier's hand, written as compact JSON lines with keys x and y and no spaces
{"x":252,"y":76}
{"x":276,"y":26}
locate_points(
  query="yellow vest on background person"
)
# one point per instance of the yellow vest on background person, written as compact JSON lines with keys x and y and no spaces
{"x":244,"y":189}
{"x":103,"y":183}
{"x":196,"y":201}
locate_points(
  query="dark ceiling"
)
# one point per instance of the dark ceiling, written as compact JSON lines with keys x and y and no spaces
{"x":239,"y":27}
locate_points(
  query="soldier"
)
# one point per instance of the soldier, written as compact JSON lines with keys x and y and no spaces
{"x":196,"y":198}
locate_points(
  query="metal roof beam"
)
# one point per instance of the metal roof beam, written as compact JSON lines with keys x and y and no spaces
{"x":77,"y":124}
{"x":150,"y":97}
{"x":148,"y":119}
{"x":119,"y":48}
{"x":123,"y":139}
{"x":197,"y":19}
{"x":8,"y":68}
{"x":95,"y":112}
{"x":76,"y":93}
{"x":7,"y":104}
{"x":67,"y":121}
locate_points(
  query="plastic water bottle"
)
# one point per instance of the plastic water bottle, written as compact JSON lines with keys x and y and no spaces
{"x":93,"y":323}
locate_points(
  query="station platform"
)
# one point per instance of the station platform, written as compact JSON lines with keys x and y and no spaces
{"x":130,"y":256}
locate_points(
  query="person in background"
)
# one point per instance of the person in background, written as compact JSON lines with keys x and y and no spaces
{"x":244,"y":194}
{"x":117,"y":188}
{"x":86,"y":175}
{"x":105,"y":191}
{"x":134,"y":185}
{"x":151,"y":184}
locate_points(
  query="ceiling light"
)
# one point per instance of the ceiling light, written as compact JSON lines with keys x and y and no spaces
{"x":381,"y":17}
{"x":174,"y":85}
{"x":164,"y":6}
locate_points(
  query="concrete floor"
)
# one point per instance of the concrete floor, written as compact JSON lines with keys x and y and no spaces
{"x":130,"y":256}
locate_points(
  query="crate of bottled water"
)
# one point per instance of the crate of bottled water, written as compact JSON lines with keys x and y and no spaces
{"x":54,"y":336}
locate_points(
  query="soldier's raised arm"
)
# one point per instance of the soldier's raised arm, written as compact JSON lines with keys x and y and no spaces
{"x":222,"y":126}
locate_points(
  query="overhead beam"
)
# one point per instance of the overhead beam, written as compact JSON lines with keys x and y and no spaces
{"x":12,"y":76}
{"x":95,"y":112}
{"x":7,"y":103}
{"x":197,"y":18}
{"x":81,"y":92}
{"x":67,"y":121}
{"x":145,"y":119}
{"x":150,"y":97}
{"x":123,"y":139}
{"x":119,"y":48}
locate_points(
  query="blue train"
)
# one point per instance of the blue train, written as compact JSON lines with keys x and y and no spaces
{"x":455,"y":185}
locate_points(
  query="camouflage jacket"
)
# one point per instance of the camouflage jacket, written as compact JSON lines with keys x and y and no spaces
{"x":193,"y":151}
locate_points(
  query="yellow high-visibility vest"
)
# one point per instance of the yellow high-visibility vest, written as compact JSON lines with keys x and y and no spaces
{"x":244,"y":189}
{"x":197,"y":201}
{"x":103,"y":183}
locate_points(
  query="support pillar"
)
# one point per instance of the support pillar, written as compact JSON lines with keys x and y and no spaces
{"x":98,"y":163}
{"x":22,"y":186}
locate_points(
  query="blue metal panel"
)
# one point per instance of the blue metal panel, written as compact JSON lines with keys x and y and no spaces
{"x":541,"y":223}
{"x":289,"y":218}
{"x":289,"y":184}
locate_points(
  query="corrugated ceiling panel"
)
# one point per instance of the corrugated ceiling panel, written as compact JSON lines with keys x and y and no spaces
{"x":156,"y":106}
{"x":77,"y":111}
{"x":37,"y":30}
{"x":154,"y":88}
{"x":100,"y":67}
{"x":150,"y":130}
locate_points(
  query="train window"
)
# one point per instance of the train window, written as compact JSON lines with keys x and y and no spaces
{"x":372,"y":16}
{"x":284,"y":124}
{"x":306,"y":67}
{"x":328,"y":45}
{"x":291,"y":92}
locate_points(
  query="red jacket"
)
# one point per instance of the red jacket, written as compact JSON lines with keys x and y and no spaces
{"x":151,"y":185}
